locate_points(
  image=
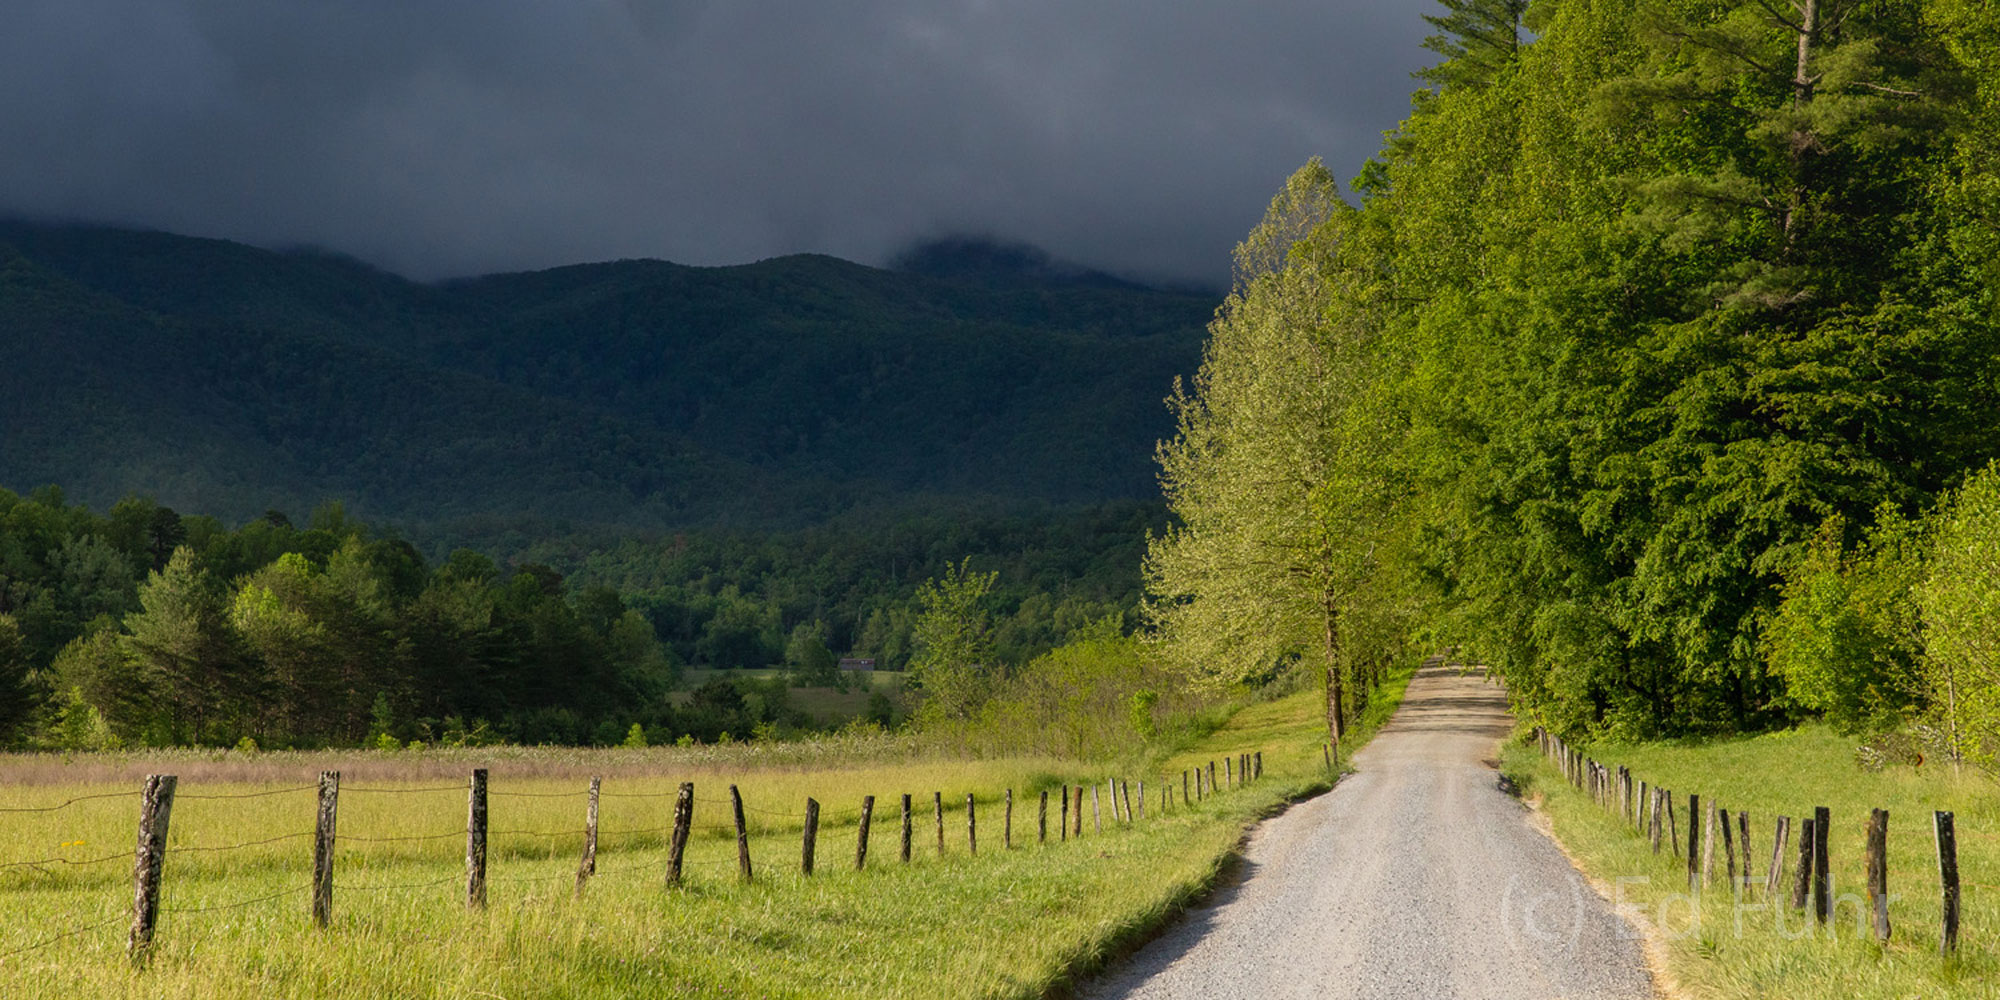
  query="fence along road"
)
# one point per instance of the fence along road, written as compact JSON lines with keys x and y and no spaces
{"x":1417,"y":877}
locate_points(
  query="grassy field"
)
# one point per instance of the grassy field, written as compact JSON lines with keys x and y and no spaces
{"x":1730,"y":948}
{"x":1023,"y":922}
{"x":826,"y":705}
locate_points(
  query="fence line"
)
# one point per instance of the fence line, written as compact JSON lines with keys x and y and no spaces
{"x":811,"y":819}
{"x":1811,"y":888}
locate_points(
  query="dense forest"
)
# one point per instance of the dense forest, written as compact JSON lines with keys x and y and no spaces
{"x":1654,"y":363}
{"x":142,"y":626}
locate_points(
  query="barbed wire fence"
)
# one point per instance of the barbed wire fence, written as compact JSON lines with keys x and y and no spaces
{"x":156,"y":798}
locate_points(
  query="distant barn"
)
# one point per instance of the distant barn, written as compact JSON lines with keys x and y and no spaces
{"x":851,"y":663}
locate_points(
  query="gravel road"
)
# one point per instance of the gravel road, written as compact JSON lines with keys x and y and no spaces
{"x":1417,"y":877}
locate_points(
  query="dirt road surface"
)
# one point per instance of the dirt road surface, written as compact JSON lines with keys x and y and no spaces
{"x":1418,"y":877}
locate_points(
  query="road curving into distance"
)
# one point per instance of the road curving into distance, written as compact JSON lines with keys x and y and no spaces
{"x":1417,"y":877}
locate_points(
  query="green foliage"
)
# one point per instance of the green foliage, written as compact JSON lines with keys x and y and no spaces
{"x":1846,"y":638}
{"x":953,"y":636}
{"x":1960,"y":598}
{"x":1627,"y":313}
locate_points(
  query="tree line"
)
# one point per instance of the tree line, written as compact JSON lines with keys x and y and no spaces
{"x":1654,"y":364}
{"x":145,"y":627}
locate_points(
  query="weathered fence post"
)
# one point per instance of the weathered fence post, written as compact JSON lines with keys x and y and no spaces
{"x":1822,"y":879}
{"x":1042,"y":820}
{"x":475,"y":841}
{"x":683,"y":823}
{"x":1062,"y":821}
{"x":1802,"y":879}
{"x":1645,"y":809}
{"x":742,"y":834}
{"x":1229,"y":772}
{"x":1878,"y":871}
{"x":1743,"y":845}
{"x":1694,"y":842}
{"x":1774,"y":877}
{"x":1659,"y":821}
{"x":811,"y":837}
{"x":1211,"y":776}
{"x":937,"y":810}
{"x":1097,"y":810}
{"x":1708,"y":846}
{"x":1184,"y":786}
{"x":861,"y":837}
{"x":1142,"y":799}
{"x":586,"y":866}
{"x":1673,"y":826}
{"x":1079,"y":811}
{"x":1258,"y":770}
{"x":156,"y":807}
{"x":1007,"y":826}
{"x":1729,"y":854}
{"x":907,"y":828}
{"x":1126,"y":787}
{"x":971,"y":828}
{"x":1947,"y":855}
{"x":323,"y":832}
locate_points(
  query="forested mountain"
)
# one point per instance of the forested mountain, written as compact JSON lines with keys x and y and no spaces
{"x":1657,"y":366}
{"x":636,"y":395}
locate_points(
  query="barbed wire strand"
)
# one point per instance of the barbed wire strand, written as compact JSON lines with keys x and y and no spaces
{"x":236,"y":905}
{"x":253,"y":795}
{"x":238,"y":847}
{"x":72,"y":932}
{"x":386,"y":790}
{"x":405,"y":885}
{"x":67,"y":804}
{"x":66,"y":861}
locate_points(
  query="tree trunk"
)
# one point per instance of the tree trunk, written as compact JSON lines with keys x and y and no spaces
{"x":1336,"y":718}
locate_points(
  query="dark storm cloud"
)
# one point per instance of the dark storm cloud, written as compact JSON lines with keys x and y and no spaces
{"x":443,"y":138}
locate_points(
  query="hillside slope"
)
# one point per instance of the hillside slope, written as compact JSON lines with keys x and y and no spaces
{"x":630,"y":395}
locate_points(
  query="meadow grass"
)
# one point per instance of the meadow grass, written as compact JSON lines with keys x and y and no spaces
{"x":1730,"y":945}
{"x":1024,"y":922}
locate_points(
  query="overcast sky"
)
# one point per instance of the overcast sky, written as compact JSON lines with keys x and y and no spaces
{"x":444,"y":138}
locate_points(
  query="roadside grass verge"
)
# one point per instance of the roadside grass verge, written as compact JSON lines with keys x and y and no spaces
{"x":1723,"y":945}
{"x":1023,"y":922}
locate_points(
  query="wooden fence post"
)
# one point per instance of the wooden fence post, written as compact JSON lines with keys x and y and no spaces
{"x":1743,"y":846}
{"x":323,"y":832}
{"x":1097,"y":810}
{"x":1645,"y":809}
{"x":683,"y":823}
{"x":1708,"y":846}
{"x":1878,"y":871}
{"x":1211,"y":777}
{"x":971,"y":828}
{"x":1042,"y":820}
{"x":1659,"y":821}
{"x":1142,"y":799}
{"x":937,"y":810}
{"x":156,"y":807}
{"x":475,"y":842}
{"x":1947,"y":855}
{"x":1673,"y":826}
{"x":1694,"y":842}
{"x":1062,"y":820}
{"x":1007,"y":827}
{"x":1079,"y":811}
{"x":1729,"y":854}
{"x":742,"y":834}
{"x":1774,"y":877}
{"x":1126,"y":788}
{"x":1258,"y":770}
{"x":1802,"y":878}
{"x":587,"y":865}
{"x":1228,"y":772}
{"x":907,"y":824}
{"x":811,"y":837}
{"x":1184,"y":786}
{"x":1822,"y":879}
{"x":861,"y":836}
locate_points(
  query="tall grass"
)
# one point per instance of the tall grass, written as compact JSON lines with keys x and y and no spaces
{"x":1007,"y":923}
{"x":1730,"y":946}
